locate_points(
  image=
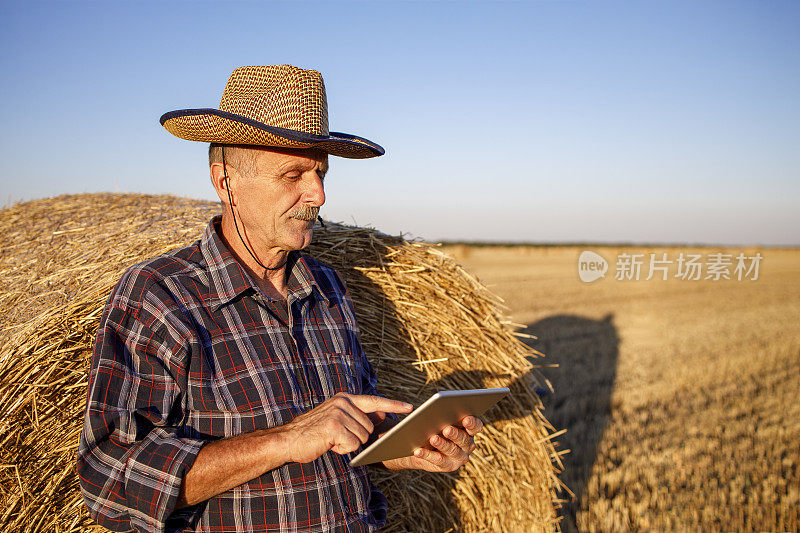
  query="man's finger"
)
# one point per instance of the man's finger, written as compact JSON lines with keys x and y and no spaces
{"x":353,"y":411}
{"x":346,"y":442}
{"x":357,"y":427}
{"x":459,"y":436}
{"x":373,"y":404}
{"x":432,"y":456}
{"x":449,"y":448}
{"x":472,"y":424}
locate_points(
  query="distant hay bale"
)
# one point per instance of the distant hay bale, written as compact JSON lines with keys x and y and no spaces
{"x":426,"y":323}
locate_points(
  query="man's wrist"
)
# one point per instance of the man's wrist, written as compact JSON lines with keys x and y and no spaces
{"x":276,"y":444}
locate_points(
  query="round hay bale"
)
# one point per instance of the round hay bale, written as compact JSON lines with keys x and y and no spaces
{"x":426,"y":323}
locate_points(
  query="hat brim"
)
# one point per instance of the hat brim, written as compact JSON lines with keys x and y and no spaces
{"x":215,"y":126}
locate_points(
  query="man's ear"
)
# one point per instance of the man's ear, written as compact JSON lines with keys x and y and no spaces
{"x":220,"y":183}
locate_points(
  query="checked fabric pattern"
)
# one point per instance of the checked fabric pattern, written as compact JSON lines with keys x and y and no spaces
{"x":188,"y":351}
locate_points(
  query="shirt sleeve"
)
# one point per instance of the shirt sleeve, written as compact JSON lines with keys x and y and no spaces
{"x":133,"y":453}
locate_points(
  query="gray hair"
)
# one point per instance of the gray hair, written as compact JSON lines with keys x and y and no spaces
{"x":242,"y":157}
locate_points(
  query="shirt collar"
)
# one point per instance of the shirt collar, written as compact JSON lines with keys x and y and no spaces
{"x":228,"y":279}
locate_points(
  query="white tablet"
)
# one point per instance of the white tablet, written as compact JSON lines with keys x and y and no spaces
{"x":445,"y":408}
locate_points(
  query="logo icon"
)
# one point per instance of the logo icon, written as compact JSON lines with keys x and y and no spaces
{"x":591,"y":266}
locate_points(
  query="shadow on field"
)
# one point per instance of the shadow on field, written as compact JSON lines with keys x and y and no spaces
{"x":586,"y":351}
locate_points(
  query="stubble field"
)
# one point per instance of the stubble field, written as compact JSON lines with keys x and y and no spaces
{"x":681,"y":398}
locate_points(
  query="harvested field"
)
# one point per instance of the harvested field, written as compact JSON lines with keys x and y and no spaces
{"x":427,"y":325}
{"x":681,"y":398}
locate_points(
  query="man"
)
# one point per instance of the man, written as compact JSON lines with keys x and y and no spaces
{"x":228,"y":385}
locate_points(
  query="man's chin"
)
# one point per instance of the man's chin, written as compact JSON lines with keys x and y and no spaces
{"x":302,"y":240}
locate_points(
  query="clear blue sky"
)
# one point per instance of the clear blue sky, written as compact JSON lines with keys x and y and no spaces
{"x":534,"y":121}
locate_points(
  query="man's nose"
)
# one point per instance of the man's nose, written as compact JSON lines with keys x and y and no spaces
{"x":315,"y":193}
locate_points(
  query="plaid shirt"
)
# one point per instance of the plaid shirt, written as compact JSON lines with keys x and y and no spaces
{"x":189,"y":350}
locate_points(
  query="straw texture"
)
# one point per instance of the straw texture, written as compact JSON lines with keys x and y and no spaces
{"x":427,"y":325}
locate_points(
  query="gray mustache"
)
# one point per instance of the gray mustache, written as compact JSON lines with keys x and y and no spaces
{"x":305,"y":212}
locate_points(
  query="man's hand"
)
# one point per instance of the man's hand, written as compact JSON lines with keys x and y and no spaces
{"x":448,"y":451}
{"x":341,"y":423}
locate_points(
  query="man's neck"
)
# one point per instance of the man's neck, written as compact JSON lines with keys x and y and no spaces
{"x":271,"y":281}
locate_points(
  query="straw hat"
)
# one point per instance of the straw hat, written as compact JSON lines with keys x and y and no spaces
{"x":272,"y":105}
